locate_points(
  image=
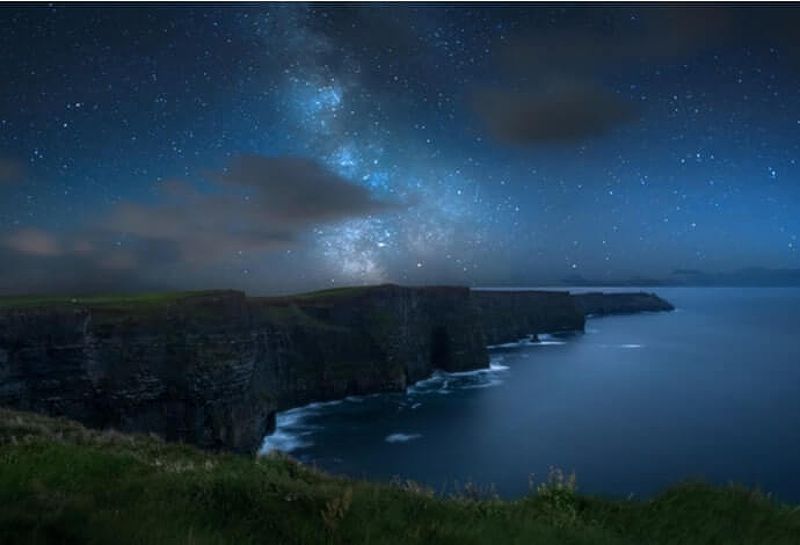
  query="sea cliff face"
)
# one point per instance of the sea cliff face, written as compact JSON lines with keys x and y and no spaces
{"x":509,"y":316}
{"x":185,"y":369}
{"x":365,"y":340}
{"x":213,"y":368}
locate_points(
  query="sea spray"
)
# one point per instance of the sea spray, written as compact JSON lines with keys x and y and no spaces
{"x":293,"y":430}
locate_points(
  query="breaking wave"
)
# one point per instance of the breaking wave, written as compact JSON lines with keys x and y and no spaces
{"x":402,"y":437}
{"x":292,"y":429}
{"x":546,"y":339}
{"x":445,"y":383}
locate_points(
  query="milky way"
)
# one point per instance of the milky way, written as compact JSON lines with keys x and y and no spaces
{"x":531,"y":144}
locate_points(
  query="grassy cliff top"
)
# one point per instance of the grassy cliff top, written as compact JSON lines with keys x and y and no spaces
{"x":105,"y":300}
{"x":344,"y":291}
{"x":350,"y":291}
{"x":162,"y":298}
{"x":62,"y":483}
{"x":167,"y":297}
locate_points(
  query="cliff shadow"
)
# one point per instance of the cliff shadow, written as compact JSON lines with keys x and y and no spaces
{"x":440,"y":348}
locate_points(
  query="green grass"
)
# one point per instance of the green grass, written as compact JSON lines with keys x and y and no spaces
{"x":161,"y":298}
{"x":154,"y":298}
{"x":332,"y":292}
{"x":61,"y":483}
{"x":99,"y":301}
{"x":290,"y":314}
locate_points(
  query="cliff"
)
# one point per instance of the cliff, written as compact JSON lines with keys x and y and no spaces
{"x":599,"y":303}
{"x":512,"y":315}
{"x":212,"y":368}
{"x":331,"y":344}
{"x":183,"y":366}
{"x":509,"y":316}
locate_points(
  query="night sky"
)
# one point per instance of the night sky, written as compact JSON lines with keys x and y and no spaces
{"x":281,"y":147}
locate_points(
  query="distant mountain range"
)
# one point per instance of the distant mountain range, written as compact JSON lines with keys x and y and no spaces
{"x":751,"y":276}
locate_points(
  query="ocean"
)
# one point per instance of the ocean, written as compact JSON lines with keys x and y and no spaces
{"x":632,"y":405}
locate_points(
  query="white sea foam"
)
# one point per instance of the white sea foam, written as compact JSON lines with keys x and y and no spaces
{"x":626,"y":345}
{"x":426,"y":385}
{"x":547,"y":339}
{"x":514,"y":344}
{"x":283,"y":441}
{"x":319,"y":405}
{"x":443,"y":383}
{"x":402,"y":437}
{"x":473,"y":373}
{"x":488,"y":383}
{"x":292,"y":428}
{"x":544,"y":339}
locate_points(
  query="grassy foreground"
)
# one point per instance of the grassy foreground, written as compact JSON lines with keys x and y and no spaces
{"x":62,"y":483}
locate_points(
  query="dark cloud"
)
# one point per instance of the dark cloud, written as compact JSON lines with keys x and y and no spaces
{"x":296,"y":191}
{"x":556,"y":82}
{"x":561,"y":113}
{"x":70,"y":273}
{"x":259,"y":204}
{"x":657,"y":35}
{"x":92,"y":260}
{"x":555,"y":94}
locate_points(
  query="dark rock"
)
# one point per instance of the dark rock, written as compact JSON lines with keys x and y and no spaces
{"x":213,"y":368}
{"x":598,"y":303}
{"x":510,"y":316}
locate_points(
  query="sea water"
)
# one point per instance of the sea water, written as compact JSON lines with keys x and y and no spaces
{"x":632,"y":405}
